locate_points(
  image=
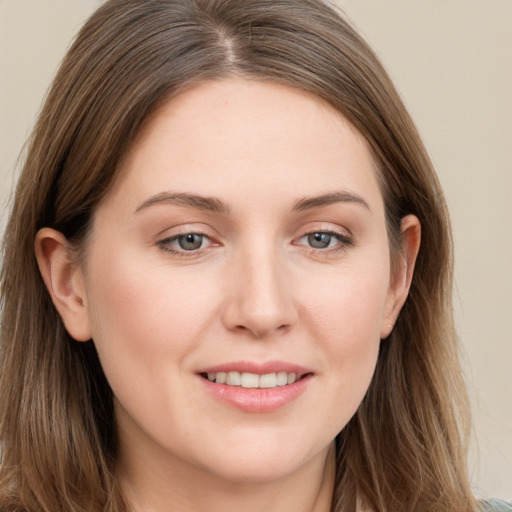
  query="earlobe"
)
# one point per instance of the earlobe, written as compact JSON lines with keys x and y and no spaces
{"x":402,"y":277}
{"x":64,"y":281}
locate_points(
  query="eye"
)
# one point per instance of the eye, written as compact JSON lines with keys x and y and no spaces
{"x":186,"y":242}
{"x":190,"y":241}
{"x":320,"y":240}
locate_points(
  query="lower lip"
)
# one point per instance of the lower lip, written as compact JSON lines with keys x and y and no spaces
{"x":257,"y":400}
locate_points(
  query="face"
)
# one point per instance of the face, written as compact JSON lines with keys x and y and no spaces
{"x":237,"y":281}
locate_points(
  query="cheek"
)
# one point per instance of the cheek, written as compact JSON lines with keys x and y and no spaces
{"x":348,"y":304}
{"x":147,"y":321}
{"x":345,"y":319}
{"x":144,"y":316}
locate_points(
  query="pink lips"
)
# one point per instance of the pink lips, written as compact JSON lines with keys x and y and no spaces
{"x":257,"y":400}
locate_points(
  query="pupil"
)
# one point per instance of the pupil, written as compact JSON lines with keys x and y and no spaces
{"x":319,"y":240}
{"x":190,"y":241}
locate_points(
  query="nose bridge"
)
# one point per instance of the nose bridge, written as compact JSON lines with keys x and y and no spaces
{"x":260,"y":301}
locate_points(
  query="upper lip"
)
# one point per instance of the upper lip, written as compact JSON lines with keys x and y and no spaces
{"x":257,"y":368}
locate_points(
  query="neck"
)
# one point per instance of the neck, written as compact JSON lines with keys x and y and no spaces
{"x":151,"y":485}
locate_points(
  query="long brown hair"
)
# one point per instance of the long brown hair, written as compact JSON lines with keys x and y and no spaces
{"x":404,"y":449}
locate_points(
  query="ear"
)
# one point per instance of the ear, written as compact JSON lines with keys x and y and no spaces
{"x":401,"y":277}
{"x":64,"y":281}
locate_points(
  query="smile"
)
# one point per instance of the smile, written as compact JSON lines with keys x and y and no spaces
{"x":253,"y":380}
{"x":256,"y":388}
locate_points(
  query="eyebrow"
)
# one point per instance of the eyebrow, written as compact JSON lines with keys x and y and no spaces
{"x":308,"y":203}
{"x":210,"y":204}
{"x":215,"y":205}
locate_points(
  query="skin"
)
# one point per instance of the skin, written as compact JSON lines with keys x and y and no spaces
{"x":256,"y":290}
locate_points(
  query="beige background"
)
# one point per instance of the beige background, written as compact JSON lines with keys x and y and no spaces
{"x":452,"y":61}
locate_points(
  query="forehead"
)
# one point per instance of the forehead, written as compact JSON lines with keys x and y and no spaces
{"x":256,"y":136}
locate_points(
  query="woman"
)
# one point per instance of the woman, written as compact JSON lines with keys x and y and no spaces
{"x":227,"y":305}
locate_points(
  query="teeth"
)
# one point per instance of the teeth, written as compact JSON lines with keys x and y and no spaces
{"x":249,"y":380}
{"x":282,"y":379}
{"x":268,"y":381}
{"x":253,"y":380}
{"x":233,"y":379}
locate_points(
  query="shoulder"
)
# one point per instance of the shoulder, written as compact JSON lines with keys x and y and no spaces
{"x":496,"y":505}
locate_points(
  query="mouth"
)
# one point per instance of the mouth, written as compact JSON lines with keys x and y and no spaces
{"x":256,"y":387}
{"x":250,"y":380}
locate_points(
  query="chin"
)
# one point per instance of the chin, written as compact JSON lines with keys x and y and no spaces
{"x":246,"y":471}
{"x":264,"y":463}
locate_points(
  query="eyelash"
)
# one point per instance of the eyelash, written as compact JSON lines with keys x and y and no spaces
{"x":343,"y":241}
{"x":165,"y":245}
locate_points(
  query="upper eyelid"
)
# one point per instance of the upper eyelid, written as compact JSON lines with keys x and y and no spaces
{"x":325,"y":227}
{"x":168,"y":245}
{"x":184,"y":233}
{"x":172,"y":238}
{"x":340,"y":236}
{"x":321,"y":226}
{"x":185,"y":229}
{"x":165,"y":244}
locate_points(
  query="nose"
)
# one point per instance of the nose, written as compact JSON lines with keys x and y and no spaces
{"x":260,"y":300}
